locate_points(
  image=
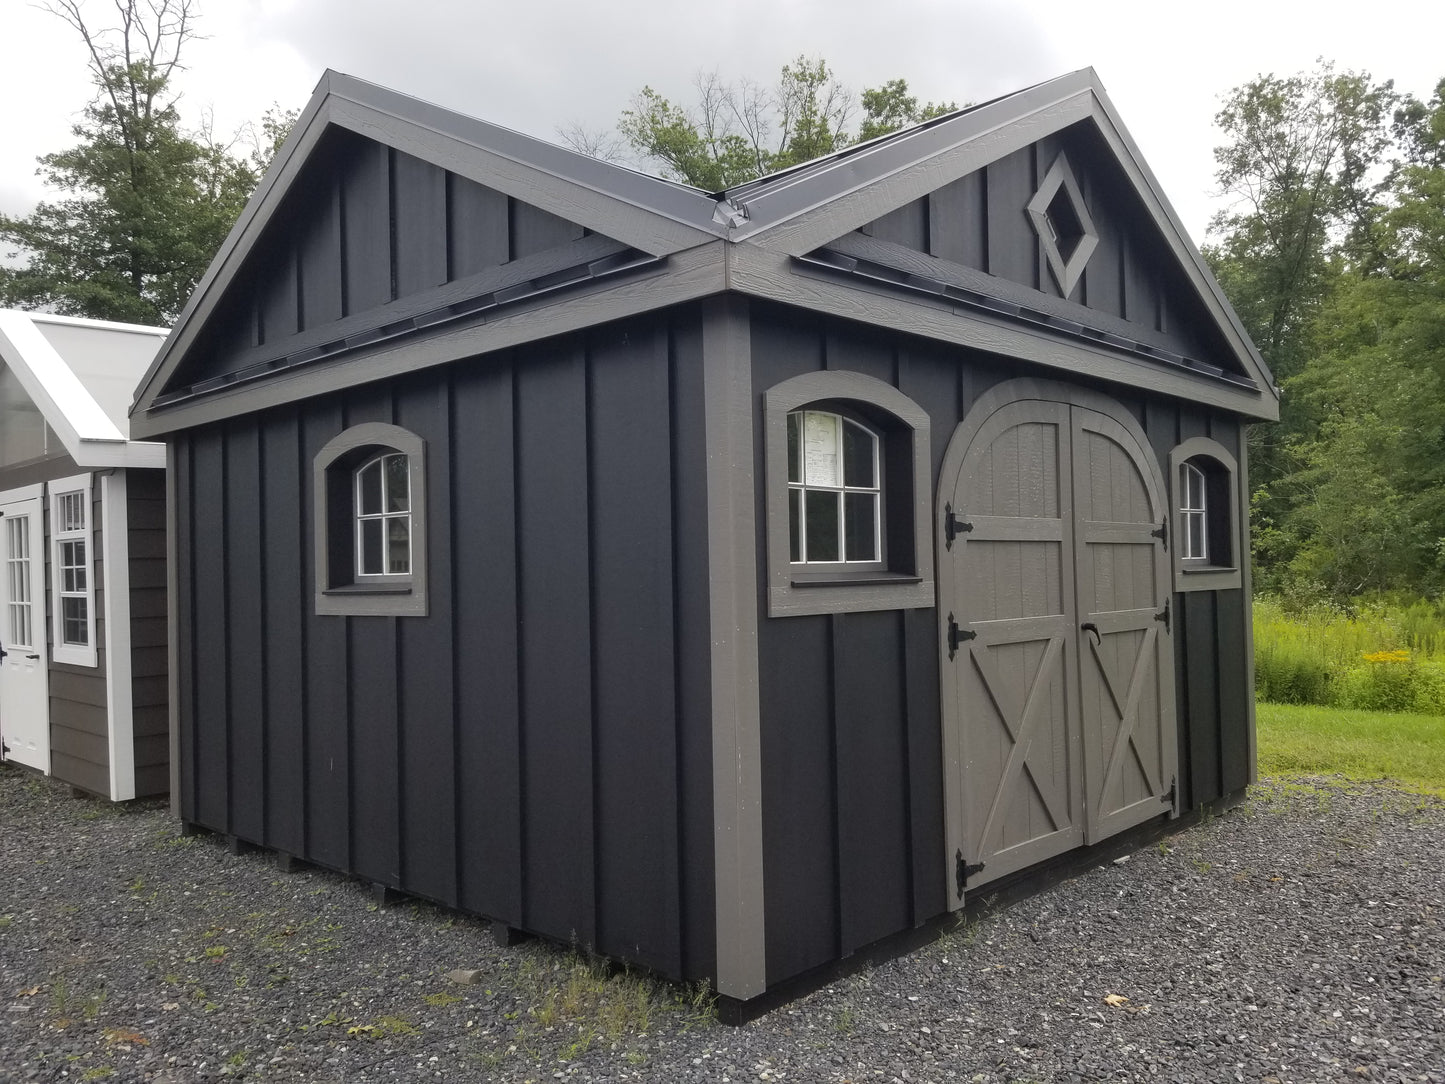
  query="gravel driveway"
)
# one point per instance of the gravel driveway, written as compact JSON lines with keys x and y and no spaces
{"x":1297,"y":938}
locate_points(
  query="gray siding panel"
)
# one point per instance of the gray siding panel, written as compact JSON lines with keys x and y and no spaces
{"x":366,"y":228}
{"x":245,"y":630}
{"x":556,"y":648}
{"x":419,"y":218}
{"x":208,"y":558}
{"x":426,"y":668}
{"x":535,"y":230}
{"x":1012,"y":243}
{"x":632,"y":629}
{"x":480,"y":233}
{"x":285,"y":601}
{"x":319,"y":255}
{"x":958,"y":221}
{"x":489,"y":731}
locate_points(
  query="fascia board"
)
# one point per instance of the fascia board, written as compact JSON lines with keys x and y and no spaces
{"x":58,"y":393}
{"x":773,"y":276}
{"x":797,"y":214}
{"x":686,"y":276}
{"x":1126,"y":151}
{"x":655,"y":215}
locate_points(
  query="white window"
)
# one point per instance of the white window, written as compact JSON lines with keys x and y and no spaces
{"x":72,"y":570}
{"x":383,"y":516}
{"x":848,"y":500}
{"x":1193,"y":513}
{"x":834,"y":490}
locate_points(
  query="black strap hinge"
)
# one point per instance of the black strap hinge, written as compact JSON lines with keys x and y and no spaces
{"x":957,"y":636}
{"x":1171,"y":797}
{"x":1163,"y":615}
{"x":962,"y":871}
{"x":953,"y":526}
{"x":1161,"y":532}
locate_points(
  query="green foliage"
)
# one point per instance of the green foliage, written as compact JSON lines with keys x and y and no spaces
{"x":1381,"y":654}
{"x":1366,"y":745}
{"x":145,"y":203}
{"x":739,"y":131}
{"x":1334,"y":256}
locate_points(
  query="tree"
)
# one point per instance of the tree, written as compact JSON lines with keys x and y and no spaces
{"x":145,"y":203}
{"x":738,"y":131}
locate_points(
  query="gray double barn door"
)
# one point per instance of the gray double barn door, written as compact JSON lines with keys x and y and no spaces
{"x":1058,"y":666}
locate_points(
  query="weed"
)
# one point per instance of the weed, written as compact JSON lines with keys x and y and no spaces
{"x":6,"y":920}
{"x":99,"y":1072}
{"x":215,"y":952}
{"x":441,"y":1000}
{"x":845,"y":1020}
{"x":237,"y":1060}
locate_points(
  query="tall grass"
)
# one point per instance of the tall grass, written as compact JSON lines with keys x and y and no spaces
{"x":1379,"y":655}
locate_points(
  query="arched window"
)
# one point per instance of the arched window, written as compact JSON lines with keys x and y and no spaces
{"x":847,"y":496}
{"x":1207,"y":538}
{"x":370,"y":522}
{"x":834,"y":491}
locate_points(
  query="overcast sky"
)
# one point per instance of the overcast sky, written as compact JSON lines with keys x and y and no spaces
{"x":536,"y":65}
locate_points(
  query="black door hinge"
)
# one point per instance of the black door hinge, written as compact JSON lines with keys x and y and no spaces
{"x":953,"y":526}
{"x":1171,"y":795}
{"x":1161,"y":532}
{"x":1163,"y":615}
{"x":957,"y":636}
{"x":962,"y":871}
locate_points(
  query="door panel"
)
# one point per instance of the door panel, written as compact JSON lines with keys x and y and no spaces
{"x":24,"y":692}
{"x":1058,"y":673}
{"x":1010,"y":585}
{"x":1126,"y":670}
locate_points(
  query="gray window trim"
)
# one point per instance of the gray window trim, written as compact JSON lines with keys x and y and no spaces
{"x":798,"y":590}
{"x":1196,"y":575}
{"x":377,"y":596}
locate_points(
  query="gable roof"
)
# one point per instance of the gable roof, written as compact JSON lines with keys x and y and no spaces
{"x":81,"y":375}
{"x":758,"y":238}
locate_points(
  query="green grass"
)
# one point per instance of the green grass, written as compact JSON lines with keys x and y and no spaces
{"x":1299,"y":739}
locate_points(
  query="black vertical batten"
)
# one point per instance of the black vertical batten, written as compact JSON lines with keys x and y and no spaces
{"x":188,"y":751}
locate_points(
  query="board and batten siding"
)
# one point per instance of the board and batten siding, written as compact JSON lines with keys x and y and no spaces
{"x":850,"y":715}
{"x":492,"y":754}
{"x":979,"y":221}
{"x":146,"y":527}
{"x":376,"y":226}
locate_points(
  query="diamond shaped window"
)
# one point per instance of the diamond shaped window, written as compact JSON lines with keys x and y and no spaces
{"x":1063,"y":224}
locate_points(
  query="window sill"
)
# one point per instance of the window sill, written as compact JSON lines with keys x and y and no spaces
{"x":1204,"y":577}
{"x":870,"y":578}
{"x":353,"y":589}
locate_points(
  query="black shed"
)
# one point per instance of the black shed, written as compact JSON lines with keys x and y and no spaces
{"x":723,"y":581}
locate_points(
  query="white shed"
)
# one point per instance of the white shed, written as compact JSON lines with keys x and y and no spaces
{"x":82,"y":542}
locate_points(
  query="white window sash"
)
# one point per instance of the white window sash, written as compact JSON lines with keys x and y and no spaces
{"x":68,"y":499}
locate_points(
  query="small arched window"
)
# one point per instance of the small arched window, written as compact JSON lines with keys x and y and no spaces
{"x":847,"y":506}
{"x":370,"y":522}
{"x":1208,"y":536}
{"x":834,"y":490}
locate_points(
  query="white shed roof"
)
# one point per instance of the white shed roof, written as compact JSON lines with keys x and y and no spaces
{"x":81,"y":374}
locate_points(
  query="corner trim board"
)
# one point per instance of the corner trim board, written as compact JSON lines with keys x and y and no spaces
{"x":115,"y":538}
{"x":733,"y":618}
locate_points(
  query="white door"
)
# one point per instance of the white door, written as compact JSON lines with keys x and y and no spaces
{"x":24,"y":695}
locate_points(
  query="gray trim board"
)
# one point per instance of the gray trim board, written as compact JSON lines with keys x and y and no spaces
{"x":784,"y":596}
{"x":770,"y":275}
{"x":173,"y":638}
{"x":1246,"y":559}
{"x":733,"y":609}
{"x":687,"y":276}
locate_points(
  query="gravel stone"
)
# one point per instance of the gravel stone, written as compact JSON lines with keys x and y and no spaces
{"x":1296,"y":939}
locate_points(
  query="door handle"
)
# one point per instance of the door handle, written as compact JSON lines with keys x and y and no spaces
{"x":32,"y":657}
{"x":1089,"y":626}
